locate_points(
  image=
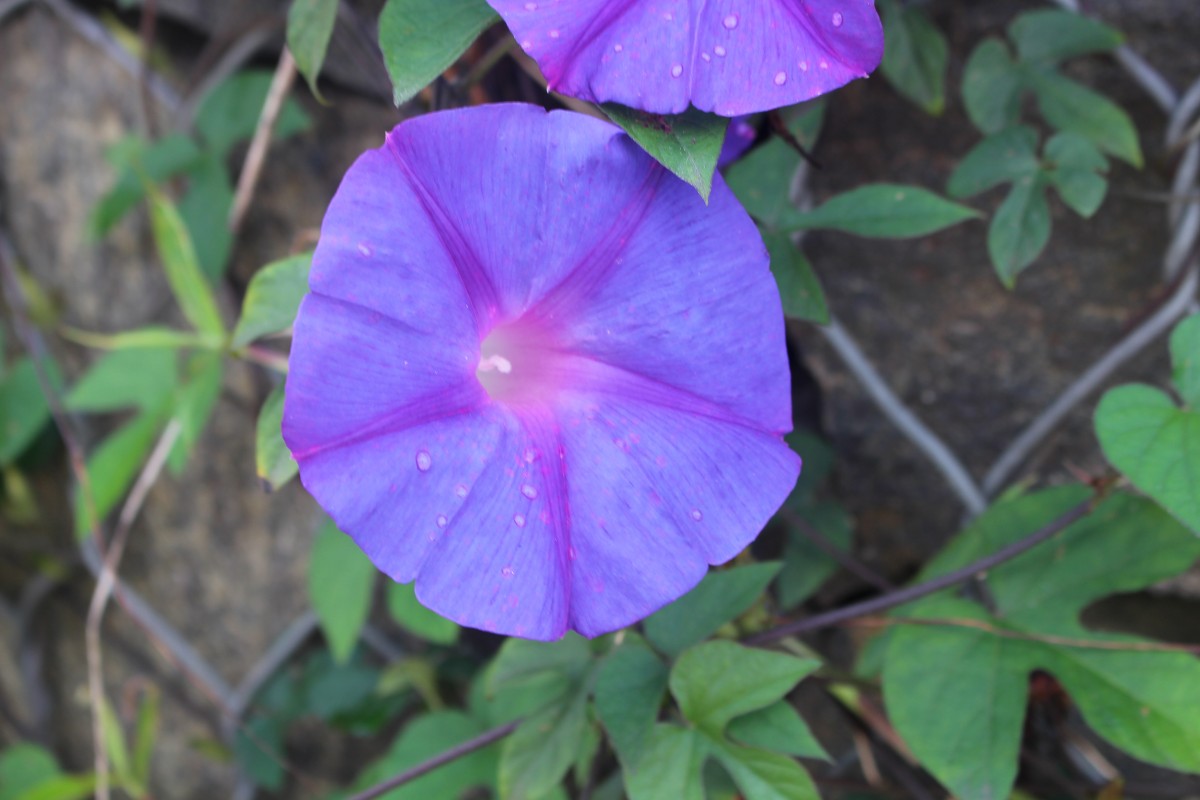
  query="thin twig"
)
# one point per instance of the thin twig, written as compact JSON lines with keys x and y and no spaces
{"x":235,"y":57}
{"x":838,"y":554}
{"x":453,"y":754}
{"x":281,"y":84}
{"x":901,"y":596}
{"x":104,"y":590}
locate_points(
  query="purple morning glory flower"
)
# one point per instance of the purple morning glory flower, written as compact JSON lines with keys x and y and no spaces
{"x":730,"y":57}
{"x":536,"y":374}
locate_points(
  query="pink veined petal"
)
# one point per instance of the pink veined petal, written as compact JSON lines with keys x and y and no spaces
{"x":731,"y":57}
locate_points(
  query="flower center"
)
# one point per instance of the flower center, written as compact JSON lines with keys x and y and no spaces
{"x":514,"y":366}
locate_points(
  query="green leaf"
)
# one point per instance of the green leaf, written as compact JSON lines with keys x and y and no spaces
{"x":421,"y":39}
{"x":670,"y":766}
{"x":160,"y":160}
{"x":1076,"y":168}
{"x":340,"y":583}
{"x":196,"y":400}
{"x":113,"y":466}
{"x":146,"y":732}
{"x":258,"y":749}
{"x":779,"y":728}
{"x":1003,"y":157}
{"x":229,"y":113}
{"x":141,"y":378}
{"x":761,"y":775}
{"x":762,"y":179}
{"x":915,"y":55}
{"x":150,"y":337}
{"x":1156,"y":445}
{"x":886,"y":211}
{"x":1185,"y":355}
{"x":23,"y":410}
{"x":309,"y":28}
{"x":204,"y":208}
{"x":629,"y":694}
{"x":818,"y":459}
{"x":272,"y":460}
{"x":1020,"y":229}
{"x":415,"y":618}
{"x":522,"y":660}
{"x":273,"y":298}
{"x":719,"y":598}
{"x":64,"y":787}
{"x":114,"y":738}
{"x":24,"y":766}
{"x":716,"y":681}
{"x":1049,"y":36}
{"x":992,"y":86}
{"x":188,"y":284}
{"x":538,"y":754}
{"x":806,"y":566}
{"x":799,"y":288}
{"x":687,"y":144}
{"x":1072,"y":107}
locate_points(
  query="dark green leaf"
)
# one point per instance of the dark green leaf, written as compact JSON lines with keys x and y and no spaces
{"x":914,"y":55}
{"x":205,"y":210}
{"x":992,"y":86}
{"x":716,"y":681}
{"x":146,"y":732}
{"x":521,"y":660}
{"x":415,"y":618}
{"x":687,"y":144}
{"x":1049,"y":36}
{"x":273,"y":298}
{"x":170,"y":156}
{"x":719,"y":598}
{"x":139,"y":378}
{"x":1020,"y":229}
{"x":799,"y":288}
{"x":536,"y":757}
{"x":24,"y":766}
{"x":629,"y":693}
{"x":670,"y":766}
{"x":1075,"y":167}
{"x":272,"y":459}
{"x":259,"y":751}
{"x":805,"y":565}
{"x":885,"y":210}
{"x":23,"y":410}
{"x":309,"y":28}
{"x":229,"y":113}
{"x":332,"y":688}
{"x":818,"y":459}
{"x":196,"y":400}
{"x":761,"y":775}
{"x":423,"y":738}
{"x":340,"y":583}
{"x":1185,"y":355}
{"x":762,"y":179}
{"x":1156,"y":445}
{"x":112,"y":467}
{"x":421,"y":39}
{"x":1069,"y":106}
{"x":777,"y":727}
{"x":1003,"y":157}
{"x":178,"y":256}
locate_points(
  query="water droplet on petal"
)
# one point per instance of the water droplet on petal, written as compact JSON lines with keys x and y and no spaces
{"x":837,"y":19}
{"x":719,"y":50}
{"x":697,"y":514}
{"x":731,"y":21}
{"x":529,"y":491}
{"x":554,"y":33}
{"x":441,"y":520}
{"x":526,"y":44}
{"x":618,"y":47}
{"x":519,"y":520}
{"x":676,"y":70}
{"x":804,"y":66}
{"x":824,"y":64}
{"x":460,"y":490}
{"x":362,"y":248}
{"x":533,"y":7}
{"x":424,"y":460}
{"x":706,"y":56}
{"x":508,"y":572}
{"x":571,"y":554}
{"x":780,"y":78}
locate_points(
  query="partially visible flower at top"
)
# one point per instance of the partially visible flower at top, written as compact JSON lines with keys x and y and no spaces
{"x":536,"y":374}
{"x":730,"y":57}
{"x":738,"y":137}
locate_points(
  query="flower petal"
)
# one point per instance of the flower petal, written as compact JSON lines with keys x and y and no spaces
{"x":728,"y":56}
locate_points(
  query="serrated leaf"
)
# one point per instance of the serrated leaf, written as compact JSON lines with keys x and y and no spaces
{"x":629,"y":692}
{"x":340,"y":583}
{"x":761,"y":775}
{"x":1185,"y":356}
{"x":536,"y":757}
{"x":1003,"y":157}
{"x":272,"y":460}
{"x":1020,"y":229}
{"x":687,"y":144}
{"x":139,"y":378}
{"x":112,"y":466}
{"x":799,"y":288}
{"x":915,"y":55}
{"x":885,"y":211}
{"x":719,"y":598}
{"x":174,"y":245}
{"x":421,"y":39}
{"x":309,"y":28}
{"x":779,"y":728}
{"x":716,"y":681}
{"x":992,"y":85}
{"x":1070,"y":106}
{"x":1049,"y":36}
{"x":415,"y":618}
{"x":670,"y":766}
{"x":229,"y":113}
{"x":1156,"y":445}
{"x":273,"y":298}
{"x":23,"y":409}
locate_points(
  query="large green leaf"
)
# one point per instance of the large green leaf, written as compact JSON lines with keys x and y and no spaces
{"x":1003,"y":157}
{"x":778,"y":727}
{"x":1156,"y":445}
{"x":309,"y":28}
{"x":885,"y":211}
{"x":421,"y":39}
{"x":521,"y":660}
{"x":415,"y":618}
{"x":1020,"y":229}
{"x":1070,"y":106}
{"x":175,"y":249}
{"x":272,"y":460}
{"x":687,"y":144}
{"x":799,"y":288}
{"x":536,"y":757}
{"x":1185,"y":353}
{"x":23,"y":767}
{"x":1049,"y":36}
{"x":1077,"y":171}
{"x":138,"y":378}
{"x":991,"y":86}
{"x":763,"y":775}
{"x":23,"y":409}
{"x":670,"y":766}
{"x":273,"y":298}
{"x":340,"y":583}
{"x":629,"y":693}
{"x":719,"y":598}
{"x":915,"y":55}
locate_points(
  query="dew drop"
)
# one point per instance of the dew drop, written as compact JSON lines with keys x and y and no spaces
{"x":460,"y":490}
{"x":676,"y":70}
{"x":618,"y":47}
{"x":362,"y":248}
{"x":424,"y":460}
{"x":519,"y":520}
{"x":706,"y":56}
{"x":508,"y":572}
{"x":837,"y":19}
{"x":441,"y":520}
{"x":533,"y":7}
{"x":719,"y":50}
{"x":824,"y":64}
{"x":780,"y":78}
{"x":571,"y":554}
{"x":804,"y":66}
{"x":554,"y":33}
{"x":697,"y":514}
{"x":526,"y":45}
{"x":731,"y":21}
{"x":529,"y":491}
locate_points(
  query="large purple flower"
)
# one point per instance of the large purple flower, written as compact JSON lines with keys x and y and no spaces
{"x":536,"y":374}
{"x":727,"y":56}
